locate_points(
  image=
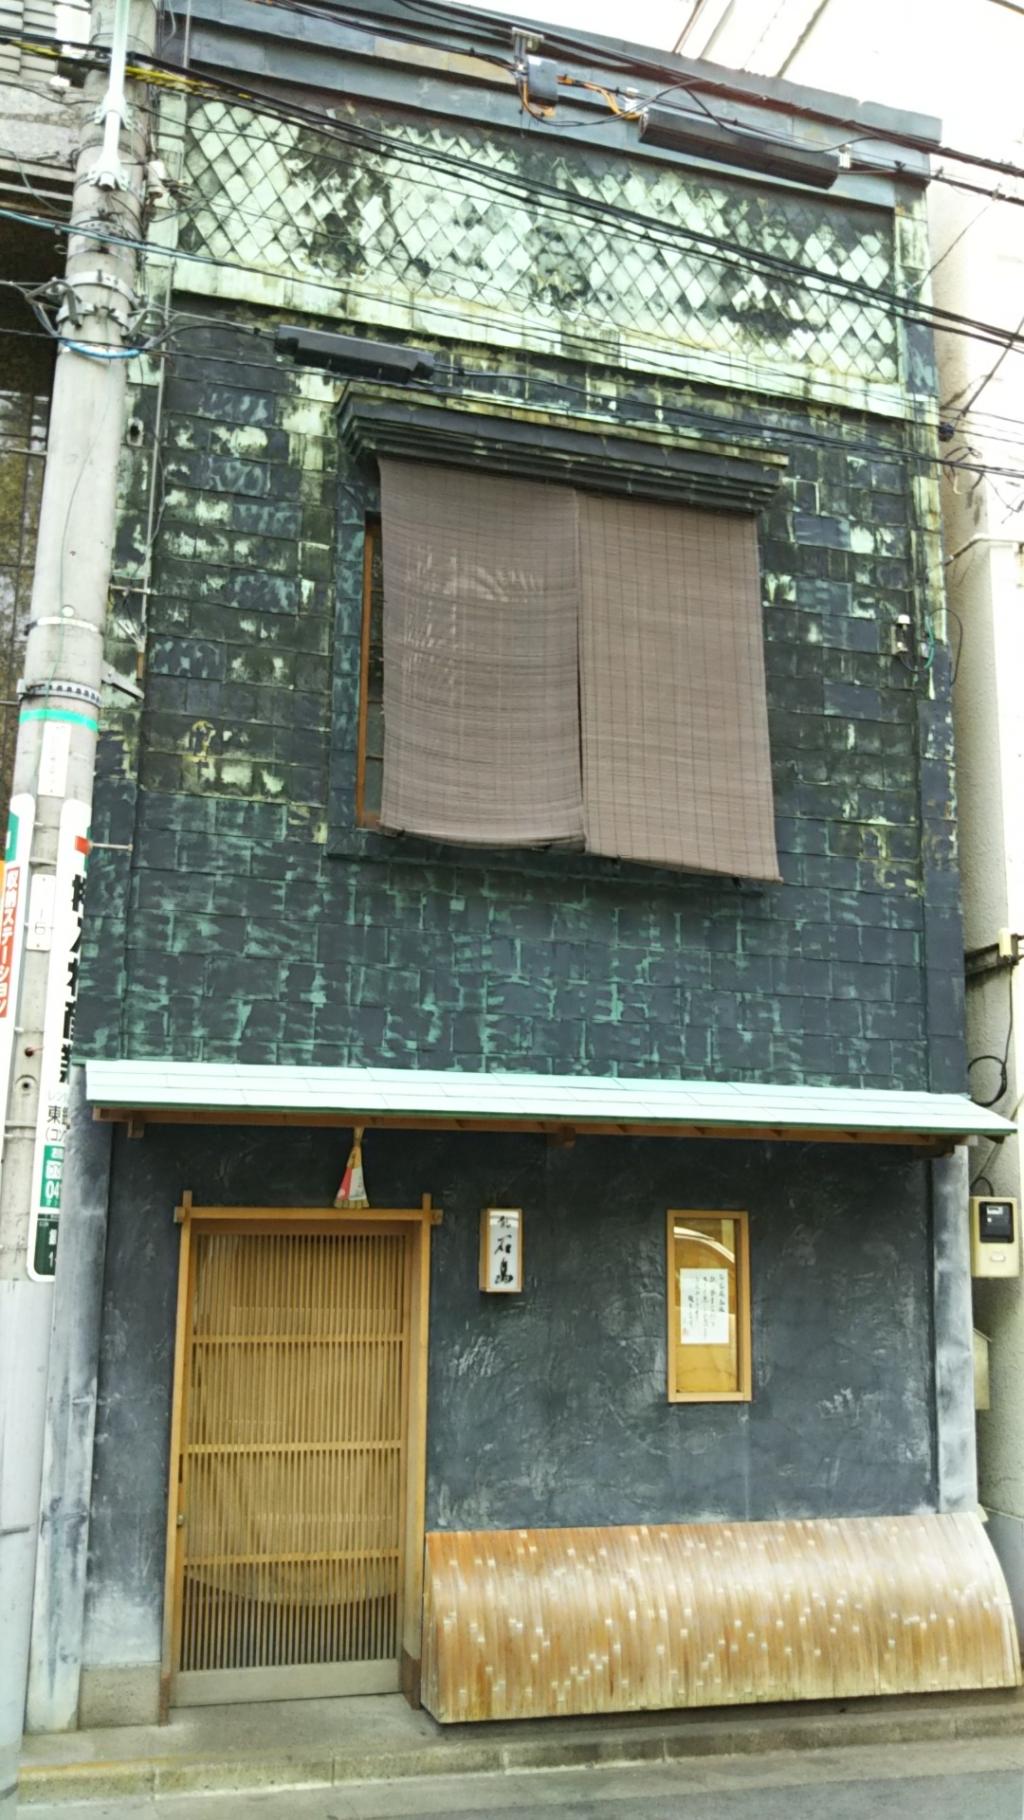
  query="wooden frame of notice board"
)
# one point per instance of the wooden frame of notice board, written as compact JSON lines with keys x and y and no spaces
{"x":708,"y":1301}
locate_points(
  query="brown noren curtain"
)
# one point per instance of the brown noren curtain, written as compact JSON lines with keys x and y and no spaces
{"x":676,"y":764}
{"x":481,"y":701}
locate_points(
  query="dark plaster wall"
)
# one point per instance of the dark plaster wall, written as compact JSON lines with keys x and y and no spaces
{"x":550,"y":1408}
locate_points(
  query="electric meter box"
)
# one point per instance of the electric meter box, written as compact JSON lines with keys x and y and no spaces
{"x":995,"y":1236}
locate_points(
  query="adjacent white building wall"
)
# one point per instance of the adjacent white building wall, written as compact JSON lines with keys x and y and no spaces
{"x":36,"y":111}
{"x":982,"y":275}
{"x":960,"y":59}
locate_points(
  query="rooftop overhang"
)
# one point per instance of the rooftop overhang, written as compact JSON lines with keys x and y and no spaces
{"x":450,"y":60}
{"x":406,"y":1099}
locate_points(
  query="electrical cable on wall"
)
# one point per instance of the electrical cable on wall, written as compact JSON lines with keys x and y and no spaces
{"x":161,"y":72}
{"x":1002,"y":1061}
{"x":981,"y":332}
{"x":470,"y":376}
{"x":585,"y":210}
{"x":366,"y":19}
{"x":786,"y":435}
{"x":955,"y":664}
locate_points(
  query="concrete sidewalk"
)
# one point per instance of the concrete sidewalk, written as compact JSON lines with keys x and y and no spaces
{"x":982,"y":1778}
{"x":324,"y":1743}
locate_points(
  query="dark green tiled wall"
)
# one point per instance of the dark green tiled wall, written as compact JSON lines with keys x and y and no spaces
{"x":248,"y":924}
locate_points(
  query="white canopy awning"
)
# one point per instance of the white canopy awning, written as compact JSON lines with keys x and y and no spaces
{"x":236,"y":1093}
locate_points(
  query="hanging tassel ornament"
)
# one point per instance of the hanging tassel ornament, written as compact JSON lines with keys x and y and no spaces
{"x":352,"y":1188}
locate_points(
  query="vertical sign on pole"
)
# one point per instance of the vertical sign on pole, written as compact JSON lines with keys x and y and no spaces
{"x":13,"y":902}
{"x":58,"y":1035}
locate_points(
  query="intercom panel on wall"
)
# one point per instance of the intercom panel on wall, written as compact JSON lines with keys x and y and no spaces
{"x":995,"y":1236}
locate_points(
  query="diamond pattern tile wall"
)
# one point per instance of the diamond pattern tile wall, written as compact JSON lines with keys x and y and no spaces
{"x":392,"y":226}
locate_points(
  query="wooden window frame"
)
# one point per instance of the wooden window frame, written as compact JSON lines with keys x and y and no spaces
{"x":744,"y":1392}
{"x":366,"y":818}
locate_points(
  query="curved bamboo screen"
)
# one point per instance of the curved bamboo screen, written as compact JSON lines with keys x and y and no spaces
{"x":528,"y":1623}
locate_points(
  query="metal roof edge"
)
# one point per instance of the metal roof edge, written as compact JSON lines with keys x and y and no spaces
{"x":466,"y":30}
{"x":152,"y":1086}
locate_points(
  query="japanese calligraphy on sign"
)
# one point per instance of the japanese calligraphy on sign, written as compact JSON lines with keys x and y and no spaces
{"x":58,"y":1037}
{"x":501,"y":1250}
{"x":704,"y":1307}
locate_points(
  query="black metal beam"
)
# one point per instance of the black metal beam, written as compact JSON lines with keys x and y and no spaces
{"x":352,"y":354}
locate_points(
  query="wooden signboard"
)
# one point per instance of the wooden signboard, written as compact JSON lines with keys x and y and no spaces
{"x":501,"y":1250}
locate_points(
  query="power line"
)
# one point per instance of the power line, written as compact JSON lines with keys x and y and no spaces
{"x":555,"y":336}
{"x":969,"y":189}
{"x":159,"y":68}
{"x":572,"y":45}
{"x":370,"y":19}
{"x":600,"y":347}
{"x":691,"y":86}
{"x":532,"y":189}
{"x":955,"y":242}
{"x":282,"y":217}
{"x":565,"y":205}
{"x":983,"y":332}
{"x":637,"y":226}
{"x":465,"y":380}
{"x":183,"y":320}
{"x":988,"y":378}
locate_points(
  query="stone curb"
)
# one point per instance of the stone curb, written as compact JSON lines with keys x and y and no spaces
{"x":672,"y":1739}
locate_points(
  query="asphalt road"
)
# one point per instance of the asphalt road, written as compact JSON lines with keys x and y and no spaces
{"x":979,"y":1780}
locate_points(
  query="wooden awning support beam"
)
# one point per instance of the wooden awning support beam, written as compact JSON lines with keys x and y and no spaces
{"x":557,"y":1130}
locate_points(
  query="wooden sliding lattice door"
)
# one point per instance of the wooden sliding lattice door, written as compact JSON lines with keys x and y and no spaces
{"x":294,"y":1484}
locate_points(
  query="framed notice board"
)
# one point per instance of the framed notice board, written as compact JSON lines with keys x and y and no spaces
{"x":708,"y":1307}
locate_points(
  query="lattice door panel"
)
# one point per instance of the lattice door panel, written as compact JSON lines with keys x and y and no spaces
{"x":293,"y":1460}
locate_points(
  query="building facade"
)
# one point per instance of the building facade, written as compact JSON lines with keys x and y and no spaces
{"x":671,"y":1033}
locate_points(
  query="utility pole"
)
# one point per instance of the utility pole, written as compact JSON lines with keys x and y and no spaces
{"x":53,"y":783}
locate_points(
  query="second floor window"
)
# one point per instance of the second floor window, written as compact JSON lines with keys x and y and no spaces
{"x":545,"y":666}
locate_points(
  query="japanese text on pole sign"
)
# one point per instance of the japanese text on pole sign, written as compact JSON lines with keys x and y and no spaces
{"x":8,"y":921}
{"x":58,"y":1037}
{"x":73,"y":963}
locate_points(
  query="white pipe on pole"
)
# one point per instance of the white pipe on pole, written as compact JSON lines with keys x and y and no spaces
{"x":107,"y":173}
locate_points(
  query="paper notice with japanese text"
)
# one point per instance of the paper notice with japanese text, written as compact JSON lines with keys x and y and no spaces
{"x":704,"y":1307}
